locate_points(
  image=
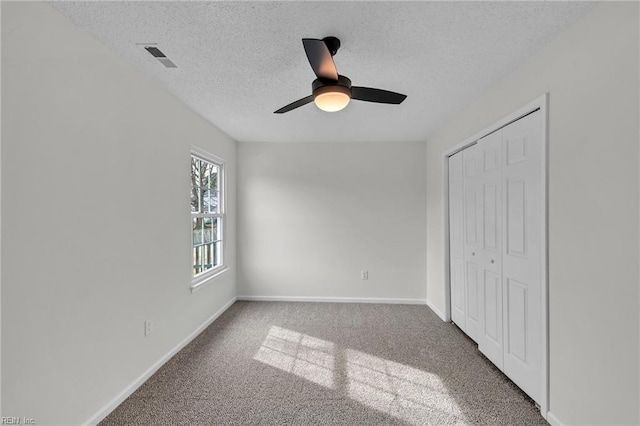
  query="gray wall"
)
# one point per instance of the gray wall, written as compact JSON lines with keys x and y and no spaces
{"x":313,"y":215}
{"x":95,"y":220}
{"x":591,"y":73}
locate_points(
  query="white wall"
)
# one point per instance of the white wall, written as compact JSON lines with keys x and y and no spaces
{"x":591,"y":72}
{"x":311,"y":216}
{"x":95,"y":219}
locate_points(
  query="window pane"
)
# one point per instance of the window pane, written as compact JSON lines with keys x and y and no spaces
{"x":209,"y":173}
{"x":208,"y":230}
{"x":209,"y":257}
{"x":218,"y":250}
{"x":210,"y":201}
{"x":197,"y":225}
{"x":205,"y":171}
{"x":213,"y":181}
{"x":204,"y":184}
{"x":195,"y":185}
{"x":216,"y":229}
{"x":206,"y":247}
{"x":197,"y":260}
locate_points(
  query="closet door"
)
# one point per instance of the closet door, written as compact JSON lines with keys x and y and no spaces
{"x":473,"y":223}
{"x":522,"y":251}
{"x":488,"y":254}
{"x":456,"y":243}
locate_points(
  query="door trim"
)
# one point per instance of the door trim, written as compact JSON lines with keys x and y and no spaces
{"x":541,"y":103}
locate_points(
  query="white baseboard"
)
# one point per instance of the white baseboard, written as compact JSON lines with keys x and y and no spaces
{"x":553,"y":420}
{"x":104,"y":411}
{"x":332,"y":299}
{"x":437,"y":311}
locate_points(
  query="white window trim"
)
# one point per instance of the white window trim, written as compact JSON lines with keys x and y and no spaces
{"x":210,"y":277}
{"x":207,"y":277}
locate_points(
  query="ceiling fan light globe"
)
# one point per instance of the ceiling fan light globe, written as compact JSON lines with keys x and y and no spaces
{"x":332,"y":98}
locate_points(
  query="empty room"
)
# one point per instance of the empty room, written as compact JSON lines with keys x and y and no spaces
{"x":320,"y":213}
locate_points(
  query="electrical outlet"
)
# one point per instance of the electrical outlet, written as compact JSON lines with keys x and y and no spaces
{"x":364,"y":275}
{"x":148,"y":328}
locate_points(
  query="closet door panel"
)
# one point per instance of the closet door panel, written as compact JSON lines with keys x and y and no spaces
{"x":522,"y":274}
{"x":517,"y":319}
{"x":456,"y":243}
{"x":473,"y":232}
{"x":458,"y":293}
{"x":491,"y":213}
{"x":493,"y":308}
{"x":473,"y":284}
{"x":516,"y":244}
{"x":489,"y":258}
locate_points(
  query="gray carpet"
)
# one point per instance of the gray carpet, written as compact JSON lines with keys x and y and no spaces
{"x":328,"y":364}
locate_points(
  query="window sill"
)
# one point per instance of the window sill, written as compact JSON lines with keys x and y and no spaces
{"x":202,"y":282}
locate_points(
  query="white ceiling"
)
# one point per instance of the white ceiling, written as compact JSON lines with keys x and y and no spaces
{"x":240,"y":61}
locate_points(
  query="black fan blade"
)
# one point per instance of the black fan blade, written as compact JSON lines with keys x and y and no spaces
{"x":320,"y":58}
{"x":376,"y":95}
{"x":294,"y":105}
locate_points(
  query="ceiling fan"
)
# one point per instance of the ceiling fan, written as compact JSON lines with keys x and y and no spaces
{"x":330,"y":91}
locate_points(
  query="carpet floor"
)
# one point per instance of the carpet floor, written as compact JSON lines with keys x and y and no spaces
{"x":328,"y":364}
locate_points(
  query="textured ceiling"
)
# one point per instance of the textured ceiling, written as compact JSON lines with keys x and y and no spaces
{"x":240,"y":61}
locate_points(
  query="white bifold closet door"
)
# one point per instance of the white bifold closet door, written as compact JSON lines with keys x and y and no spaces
{"x":495,"y":195}
{"x":456,"y":243}
{"x":482,"y":245}
{"x":522,"y":254}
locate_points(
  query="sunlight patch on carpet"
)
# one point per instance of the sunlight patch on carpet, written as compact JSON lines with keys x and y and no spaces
{"x":305,"y":356}
{"x":404,"y":392}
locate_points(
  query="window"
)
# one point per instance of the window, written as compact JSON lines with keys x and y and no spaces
{"x":207,"y":216}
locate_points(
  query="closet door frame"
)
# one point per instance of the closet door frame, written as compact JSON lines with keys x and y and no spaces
{"x":541,"y":103}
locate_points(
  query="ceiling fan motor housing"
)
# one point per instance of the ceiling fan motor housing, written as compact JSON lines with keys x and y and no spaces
{"x":320,"y":86}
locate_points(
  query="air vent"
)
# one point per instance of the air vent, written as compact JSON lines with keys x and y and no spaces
{"x":157,"y":53}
